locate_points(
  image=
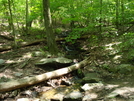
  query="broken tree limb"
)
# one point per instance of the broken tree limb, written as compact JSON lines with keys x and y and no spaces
{"x":15,"y":84}
{"x":22,"y":44}
{"x":25,"y":44}
{"x":6,"y":37}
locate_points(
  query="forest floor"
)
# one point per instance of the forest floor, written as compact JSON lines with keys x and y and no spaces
{"x":118,"y":86}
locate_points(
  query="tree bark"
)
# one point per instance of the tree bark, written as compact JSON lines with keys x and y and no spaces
{"x":117,"y":14}
{"x":27,"y":17}
{"x":15,"y":84}
{"x":49,"y":30}
{"x":11,"y":22}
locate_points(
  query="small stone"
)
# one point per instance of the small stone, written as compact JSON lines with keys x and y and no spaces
{"x":37,"y":54}
{"x":18,"y":74}
{"x":92,"y":86}
{"x":24,"y":99}
{"x":74,"y":95}
{"x":2,"y":61}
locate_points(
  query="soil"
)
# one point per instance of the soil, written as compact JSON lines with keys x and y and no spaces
{"x":21,"y":63}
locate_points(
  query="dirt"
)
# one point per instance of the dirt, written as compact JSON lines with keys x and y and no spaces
{"x":22,"y":64}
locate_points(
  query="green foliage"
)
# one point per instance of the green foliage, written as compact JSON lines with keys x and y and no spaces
{"x":72,"y":37}
{"x":80,"y":73}
{"x":128,"y":41}
{"x":122,"y":68}
{"x":19,"y":40}
{"x":45,"y":47}
{"x":38,"y":36}
{"x":76,"y":34}
{"x":127,"y":46}
{"x":58,"y":30}
{"x":38,"y":32}
{"x":87,"y":16}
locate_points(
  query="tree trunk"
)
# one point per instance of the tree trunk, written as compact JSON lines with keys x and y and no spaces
{"x":100,"y":21}
{"x":117,"y":14}
{"x":123,"y":16}
{"x":26,"y":16}
{"x":48,"y":25}
{"x":7,"y":13}
{"x":11,"y":22}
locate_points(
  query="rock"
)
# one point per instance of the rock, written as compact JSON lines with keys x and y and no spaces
{"x":51,"y":60}
{"x":23,"y":99}
{"x":66,"y":93}
{"x":38,"y":54}
{"x":18,"y":74}
{"x":2,"y":61}
{"x":9,"y":99}
{"x":55,"y":94}
{"x":75,"y":95}
{"x":54,"y":62}
{"x":125,"y":68}
{"x":124,"y":92}
{"x":92,"y":86}
{"x":59,"y":97}
{"x":91,"y":78}
{"x":112,"y":95}
{"x":87,"y":97}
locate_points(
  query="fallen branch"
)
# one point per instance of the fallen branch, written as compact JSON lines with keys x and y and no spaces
{"x":6,"y":37}
{"x":15,"y":84}
{"x":25,"y":44}
{"x":22,"y":44}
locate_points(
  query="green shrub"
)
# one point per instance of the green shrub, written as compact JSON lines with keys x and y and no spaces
{"x":126,"y":48}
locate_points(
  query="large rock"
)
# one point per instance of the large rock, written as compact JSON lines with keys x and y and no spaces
{"x":74,"y":96}
{"x":92,"y":86}
{"x":124,"y":92}
{"x":54,"y":62}
{"x":91,"y":78}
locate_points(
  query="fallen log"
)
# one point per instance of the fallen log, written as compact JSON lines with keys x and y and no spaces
{"x":6,"y":37}
{"x":25,"y":44}
{"x":22,"y":44}
{"x":24,"y":82}
{"x":5,"y":48}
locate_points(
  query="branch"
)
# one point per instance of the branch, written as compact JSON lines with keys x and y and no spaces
{"x":6,"y":37}
{"x":15,"y":84}
{"x":25,"y":44}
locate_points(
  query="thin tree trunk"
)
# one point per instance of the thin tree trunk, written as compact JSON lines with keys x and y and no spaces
{"x":117,"y":14}
{"x":11,"y":22}
{"x":100,"y":21}
{"x":7,"y":13}
{"x":122,"y":9}
{"x":26,"y":16}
